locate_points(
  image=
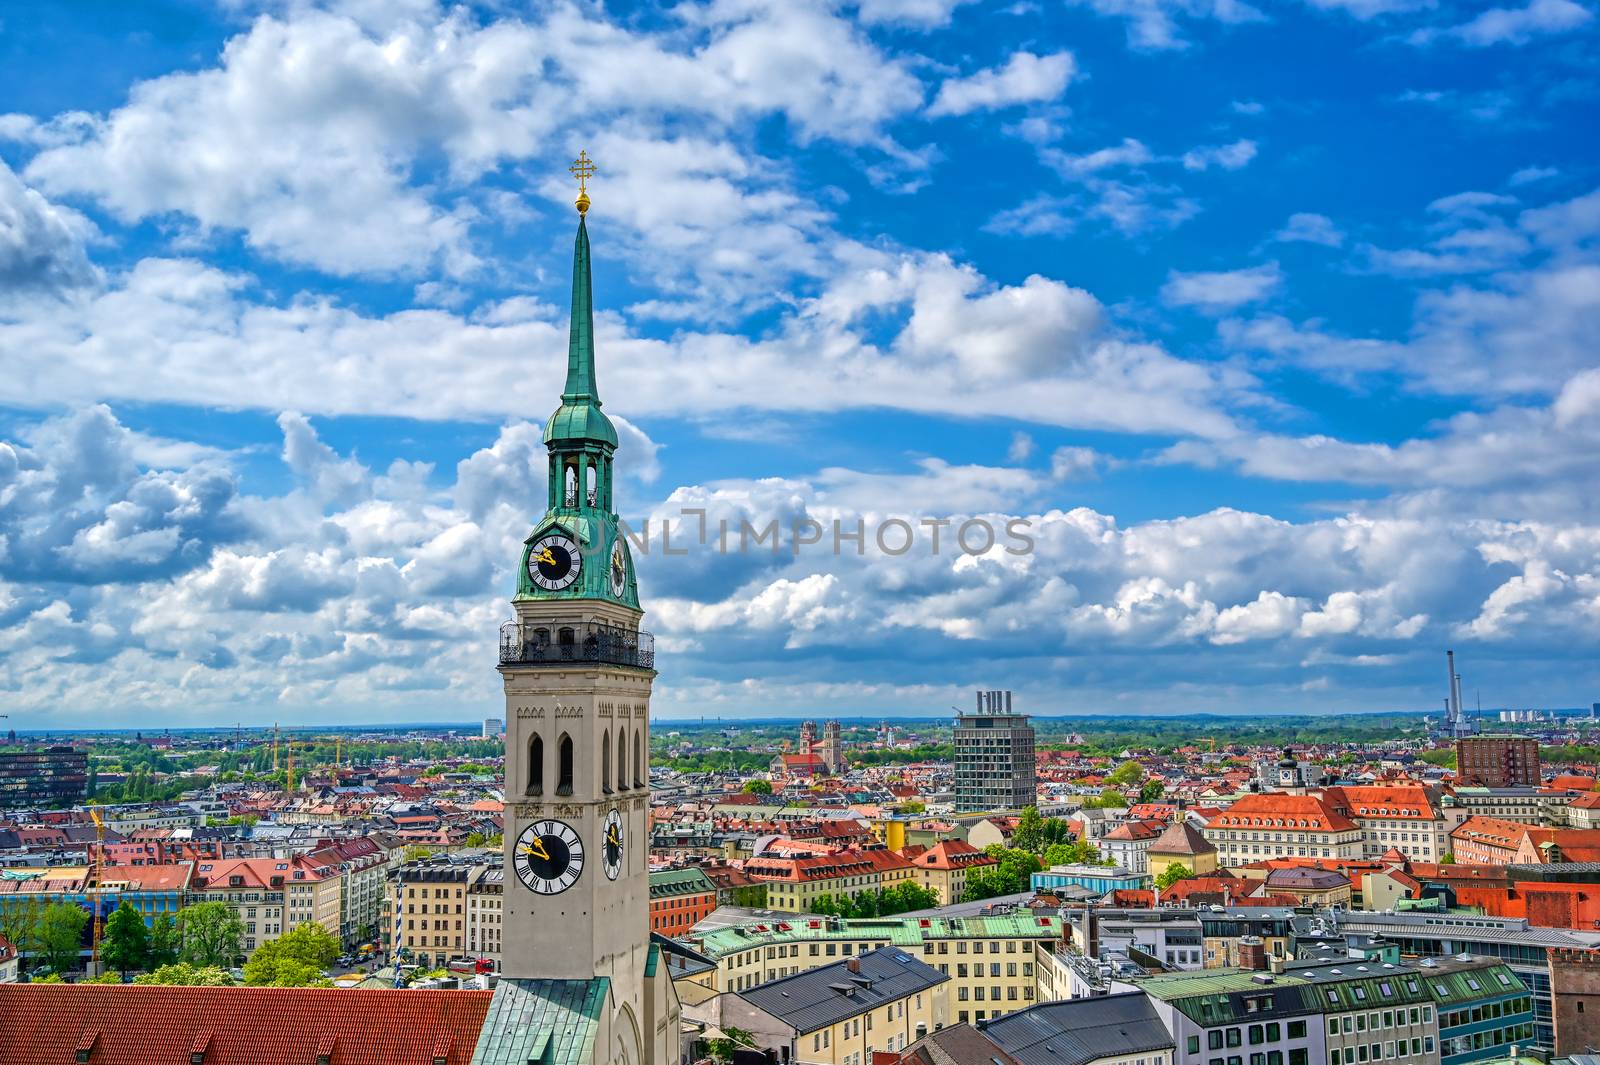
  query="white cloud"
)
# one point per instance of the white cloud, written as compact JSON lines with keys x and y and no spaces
{"x":922,"y":13}
{"x":1311,"y":229}
{"x":1233,"y":156}
{"x":1153,"y":24}
{"x":41,"y":243}
{"x":1221,"y":290}
{"x":1025,"y":78}
{"x":1129,"y":153}
{"x":1530,"y":174}
{"x":1512,"y":25}
{"x":308,"y":135}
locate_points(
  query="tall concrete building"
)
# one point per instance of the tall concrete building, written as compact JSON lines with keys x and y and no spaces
{"x":1498,"y":761}
{"x":49,"y":776}
{"x":994,"y":757}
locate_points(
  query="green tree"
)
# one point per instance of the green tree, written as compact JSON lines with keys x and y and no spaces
{"x":757,"y":787}
{"x":125,"y":942}
{"x":212,"y":934}
{"x":1078,"y":852}
{"x":722,"y":1050}
{"x":19,"y":922}
{"x":165,"y":942}
{"x":294,"y":959}
{"x":61,"y":935}
{"x":1029,"y":833}
{"x":913,"y":806}
{"x":190,"y":975}
{"x":1151,"y":790}
{"x":1172,"y":874}
{"x":476,"y":839}
{"x":1129,"y":772}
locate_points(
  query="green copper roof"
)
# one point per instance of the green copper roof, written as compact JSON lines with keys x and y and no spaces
{"x":671,"y":882}
{"x":899,"y":931}
{"x":579,"y":417}
{"x":552,"y":1022}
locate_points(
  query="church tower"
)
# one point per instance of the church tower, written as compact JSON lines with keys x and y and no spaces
{"x":577,"y":673}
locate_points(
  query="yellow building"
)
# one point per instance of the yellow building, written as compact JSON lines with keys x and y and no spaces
{"x":943,"y":868}
{"x":840,"y":1014}
{"x":793,"y":884}
{"x":990,"y":960}
{"x":429,"y":919}
{"x":1182,"y":844}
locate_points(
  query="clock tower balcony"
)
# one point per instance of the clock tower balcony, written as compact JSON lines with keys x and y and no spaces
{"x":557,"y":644}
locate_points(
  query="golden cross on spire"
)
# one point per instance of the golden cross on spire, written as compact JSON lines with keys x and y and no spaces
{"x":583,"y":169}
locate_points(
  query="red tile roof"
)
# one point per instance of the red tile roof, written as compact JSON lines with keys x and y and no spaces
{"x":953,"y":854}
{"x":1303,"y":812}
{"x":42,"y":1024}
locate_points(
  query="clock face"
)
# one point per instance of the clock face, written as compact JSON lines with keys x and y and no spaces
{"x":611,"y":845}
{"x":554,"y":562}
{"x":619,"y":570}
{"x":549,"y":857}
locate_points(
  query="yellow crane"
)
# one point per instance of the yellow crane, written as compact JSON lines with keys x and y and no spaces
{"x":274,"y":748}
{"x":92,"y":883}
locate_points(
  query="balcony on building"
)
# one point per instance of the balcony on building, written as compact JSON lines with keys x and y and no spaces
{"x":557,"y":644}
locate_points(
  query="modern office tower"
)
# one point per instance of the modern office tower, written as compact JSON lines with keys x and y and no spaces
{"x":1498,"y":761}
{"x":43,"y":777}
{"x":994,"y":756}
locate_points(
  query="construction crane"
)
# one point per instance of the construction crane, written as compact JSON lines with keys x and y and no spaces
{"x":288,"y":785}
{"x":274,"y":748}
{"x":92,"y":883}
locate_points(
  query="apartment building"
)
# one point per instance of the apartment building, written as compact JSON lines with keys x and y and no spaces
{"x":794,"y":883}
{"x":1344,"y":1011}
{"x":1407,"y":818}
{"x":271,"y":895}
{"x":844,"y":1013}
{"x":680,"y":899}
{"x":428,"y":911}
{"x":943,"y":868}
{"x":485,"y":912}
{"x":990,"y":960}
{"x":364,"y":874}
{"x":1281,"y":826}
{"x":1128,"y":845}
{"x":1498,"y":761}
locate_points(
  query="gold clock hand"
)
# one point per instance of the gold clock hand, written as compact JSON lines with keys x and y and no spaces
{"x":546,"y":557}
{"x":540,"y":851}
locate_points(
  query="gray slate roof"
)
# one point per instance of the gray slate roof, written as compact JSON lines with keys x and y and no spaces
{"x":816,"y":999}
{"x":1082,"y":1030}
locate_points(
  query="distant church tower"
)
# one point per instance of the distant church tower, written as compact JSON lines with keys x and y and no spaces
{"x":577,"y":672}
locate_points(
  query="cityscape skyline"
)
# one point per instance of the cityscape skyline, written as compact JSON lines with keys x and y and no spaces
{"x":1271,"y":393}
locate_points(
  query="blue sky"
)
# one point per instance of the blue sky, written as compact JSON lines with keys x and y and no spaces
{"x":1274,"y":322}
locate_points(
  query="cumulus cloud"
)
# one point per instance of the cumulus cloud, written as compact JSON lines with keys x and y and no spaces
{"x":1025,"y":78}
{"x":41,"y":243}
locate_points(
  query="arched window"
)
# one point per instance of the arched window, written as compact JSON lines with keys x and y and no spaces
{"x":564,"y":769}
{"x":622,"y":759}
{"x":638,"y":762}
{"x":591,"y":479}
{"x":536,"y":765}
{"x":571,"y":476}
{"x":605,"y":761}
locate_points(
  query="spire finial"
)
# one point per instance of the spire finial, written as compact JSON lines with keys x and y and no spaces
{"x":583,"y":169}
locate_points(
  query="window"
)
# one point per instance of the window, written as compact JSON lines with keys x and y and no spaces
{"x":1299,"y":1056}
{"x":1214,"y":1039}
{"x":1297,"y":1030}
{"x":564,"y":772}
{"x":1273,"y":1032}
{"x":1194,"y":1044}
{"x":622,"y":759}
{"x":536,"y":766}
{"x":1256,"y":1037}
{"x":1232,"y":1035}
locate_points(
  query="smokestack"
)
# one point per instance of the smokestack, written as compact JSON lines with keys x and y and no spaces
{"x":1454,"y":703}
{"x":853,"y":965}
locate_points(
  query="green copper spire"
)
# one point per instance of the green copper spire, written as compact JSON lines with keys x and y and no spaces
{"x":579,"y":417}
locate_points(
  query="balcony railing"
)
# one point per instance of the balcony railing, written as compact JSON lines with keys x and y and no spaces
{"x":557,"y":644}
